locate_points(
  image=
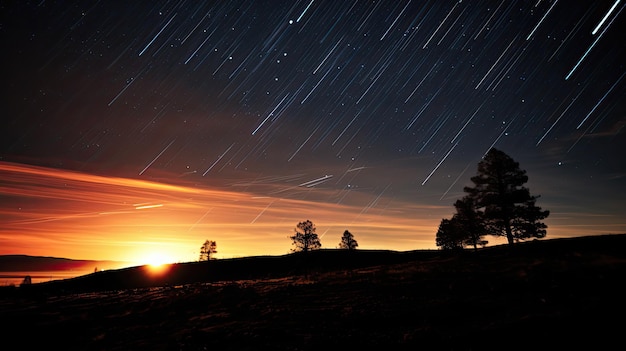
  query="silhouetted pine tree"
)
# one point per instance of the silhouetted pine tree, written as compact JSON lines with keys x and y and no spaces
{"x":469,"y":221}
{"x":449,"y":235}
{"x":305,"y":239}
{"x":207,"y":250}
{"x":347,"y":241}
{"x":506,"y":206}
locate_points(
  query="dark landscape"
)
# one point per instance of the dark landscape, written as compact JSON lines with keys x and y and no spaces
{"x":557,"y":293}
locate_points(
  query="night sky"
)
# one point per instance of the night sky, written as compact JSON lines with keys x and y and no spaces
{"x":369,"y":116}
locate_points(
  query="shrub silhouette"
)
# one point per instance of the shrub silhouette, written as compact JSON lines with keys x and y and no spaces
{"x":27,"y":281}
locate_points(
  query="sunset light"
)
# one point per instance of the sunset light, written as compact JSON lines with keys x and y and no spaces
{"x":87,"y":216}
{"x":156,"y":260}
{"x":379,"y":174}
{"x":137,"y":132}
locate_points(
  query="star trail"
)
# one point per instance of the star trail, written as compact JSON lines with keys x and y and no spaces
{"x":373,"y":111}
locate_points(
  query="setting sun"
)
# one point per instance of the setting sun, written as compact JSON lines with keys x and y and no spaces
{"x":157,"y":263}
{"x":387,"y":174}
{"x":156,"y":259}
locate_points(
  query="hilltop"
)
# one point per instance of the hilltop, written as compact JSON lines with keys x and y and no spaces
{"x":561,"y":293}
{"x":314,"y":262}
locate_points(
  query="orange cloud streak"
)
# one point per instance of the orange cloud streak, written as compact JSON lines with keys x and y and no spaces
{"x":61,"y":213}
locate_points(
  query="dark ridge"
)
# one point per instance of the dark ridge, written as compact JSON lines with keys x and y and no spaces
{"x":321,"y":261}
{"x":245,"y":268}
{"x":26,"y":263}
{"x":563,"y":294}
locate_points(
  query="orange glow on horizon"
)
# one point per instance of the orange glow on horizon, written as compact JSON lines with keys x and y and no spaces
{"x":157,"y":268}
{"x":50,"y":212}
{"x":68,"y":214}
{"x":155,"y":259}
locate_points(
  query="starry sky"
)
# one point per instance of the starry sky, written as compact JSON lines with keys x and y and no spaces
{"x":143,"y":128}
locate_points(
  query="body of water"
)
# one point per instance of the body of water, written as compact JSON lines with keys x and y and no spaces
{"x":16,"y":278}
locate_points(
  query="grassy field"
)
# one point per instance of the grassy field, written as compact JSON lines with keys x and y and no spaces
{"x":560,"y":293}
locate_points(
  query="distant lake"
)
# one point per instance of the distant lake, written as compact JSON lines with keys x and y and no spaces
{"x":16,"y":278}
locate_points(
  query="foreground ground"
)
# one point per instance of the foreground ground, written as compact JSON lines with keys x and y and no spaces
{"x":550,"y":295}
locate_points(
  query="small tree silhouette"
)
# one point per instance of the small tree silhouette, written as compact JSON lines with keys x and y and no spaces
{"x":470,"y":223}
{"x":305,"y":239}
{"x":347,"y":241}
{"x":27,"y":281}
{"x":207,"y":250}
{"x":450,"y":235}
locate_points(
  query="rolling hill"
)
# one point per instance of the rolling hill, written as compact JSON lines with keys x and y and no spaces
{"x":558,"y":293}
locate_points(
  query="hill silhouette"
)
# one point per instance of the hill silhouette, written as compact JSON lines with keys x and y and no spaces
{"x":245,"y":268}
{"x":557,"y":293}
{"x":27,"y":263}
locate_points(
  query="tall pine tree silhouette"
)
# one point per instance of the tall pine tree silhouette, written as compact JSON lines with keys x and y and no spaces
{"x":507,"y":208}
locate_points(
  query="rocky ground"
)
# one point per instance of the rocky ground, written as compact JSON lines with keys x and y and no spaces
{"x":570,"y":296}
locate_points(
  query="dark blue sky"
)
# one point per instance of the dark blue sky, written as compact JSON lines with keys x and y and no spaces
{"x":395,"y":100}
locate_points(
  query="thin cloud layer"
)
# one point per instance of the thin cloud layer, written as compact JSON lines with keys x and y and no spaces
{"x":87,"y":216}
